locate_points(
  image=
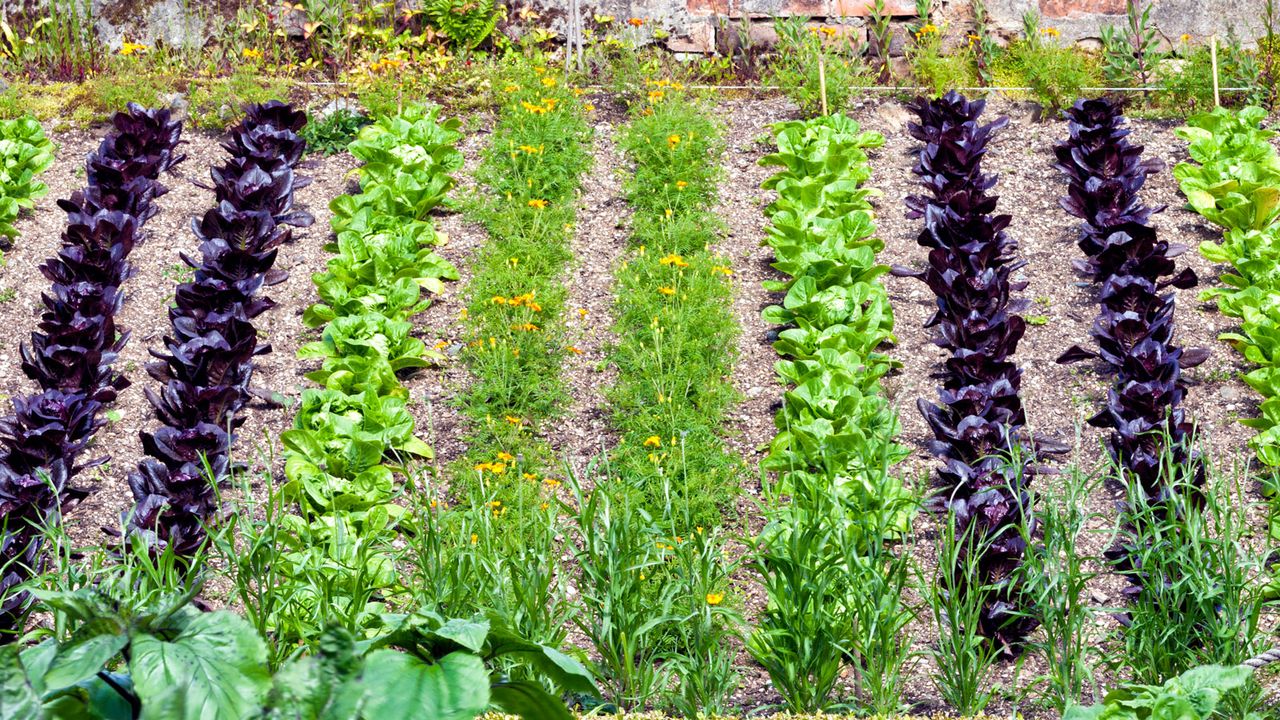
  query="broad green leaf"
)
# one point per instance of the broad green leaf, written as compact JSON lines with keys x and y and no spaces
{"x":402,"y":687}
{"x":217,"y":659}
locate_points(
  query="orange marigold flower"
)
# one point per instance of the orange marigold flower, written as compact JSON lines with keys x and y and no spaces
{"x":635,"y":22}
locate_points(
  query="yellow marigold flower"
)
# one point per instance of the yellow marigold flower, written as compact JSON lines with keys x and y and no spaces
{"x":828,"y":31}
{"x":506,"y":457}
{"x":539,"y":70}
{"x":474,"y":538}
{"x":529,"y":476}
{"x":668,"y":213}
{"x":511,"y":88}
{"x":582,"y":312}
{"x":536,"y":203}
{"x":655,"y":95}
{"x":498,"y":468}
{"x":665,"y":290}
{"x":481,"y":467}
{"x":653,"y":441}
{"x":515,"y":352}
{"x":1050,"y":31}
{"x":498,"y":300}
{"x":681,"y":184}
{"x":251,"y":53}
{"x":549,"y":82}
{"x":715,"y":598}
{"x":673,"y":140}
{"x":434,"y":503}
{"x":552,"y":482}
{"x":495,"y":503}
{"x":513,"y":419}
{"x":721,"y":270}
{"x":529,"y":149}
{"x":673,"y":259}
{"x":545,"y":505}
{"x":1185,"y":38}
{"x":129,"y":48}
{"x":574,"y":350}
{"x":589,"y":107}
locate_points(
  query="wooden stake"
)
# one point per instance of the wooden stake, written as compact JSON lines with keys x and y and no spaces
{"x":822,"y":82}
{"x":1213,"y":58}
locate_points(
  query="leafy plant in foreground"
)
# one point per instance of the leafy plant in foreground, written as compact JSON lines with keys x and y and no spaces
{"x":71,"y":355}
{"x":129,"y":657}
{"x":1194,"y":695}
{"x":978,"y":427}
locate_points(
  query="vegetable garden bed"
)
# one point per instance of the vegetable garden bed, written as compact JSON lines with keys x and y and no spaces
{"x":1058,"y":399}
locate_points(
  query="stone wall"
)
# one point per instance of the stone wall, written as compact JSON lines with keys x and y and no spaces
{"x":695,"y":26}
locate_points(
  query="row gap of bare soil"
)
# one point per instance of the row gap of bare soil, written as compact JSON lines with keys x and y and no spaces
{"x":1058,"y":398}
{"x":599,"y":242}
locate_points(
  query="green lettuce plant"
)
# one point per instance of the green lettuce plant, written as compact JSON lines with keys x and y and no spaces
{"x":25,"y":153}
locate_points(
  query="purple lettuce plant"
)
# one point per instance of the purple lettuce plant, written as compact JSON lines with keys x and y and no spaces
{"x":207,"y":362}
{"x":978,"y":425}
{"x":70,"y":355}
{"x":1134,"y":328}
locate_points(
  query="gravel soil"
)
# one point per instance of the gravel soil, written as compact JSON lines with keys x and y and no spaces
{"x":1058,"y":398}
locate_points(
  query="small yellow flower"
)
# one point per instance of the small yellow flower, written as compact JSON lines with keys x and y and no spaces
{"x":435,"y":504}
{"x":513,"y":419}
{"x":720,"y":270}
{"x":635,"y":22}
{"x":129,"y":48}
{"x":666,"y":290}
{"x":498,"y":468}
{"x":673,"y":140}
{"x":511,"y":88}
{"x":656,"y":95}
{"x":828,"y":31}
{"x":498,"y":300}
{"x":506,"y":457}
{"x":589,"y":107}
{"x":251,"y":53}
{"x":681,"y":184}
{"x":529,"y":476}
{"x":1186,"y":38}
{"x":675,"y":260}
{"x":1050,"y":32}
{"x":538,"y":204}
{"x":715,"y":598}
{"x":574,"y":350}
{"x":474,"y":538}
{"x":549,"y":82}
{"x":653,"y":441}
{"x":667,"y":212}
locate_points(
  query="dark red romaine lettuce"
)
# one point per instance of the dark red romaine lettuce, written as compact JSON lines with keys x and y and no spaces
{"x":1134,"y":328}
{"x":207,"y":361}
{"x":70,"y":355}
{"x":978,"y":425}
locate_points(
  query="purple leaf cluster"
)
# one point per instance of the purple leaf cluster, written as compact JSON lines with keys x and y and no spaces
{"x":207,"y":361}
{"x":978,"y":425}
{"x":1134,"y":328}
{"x":70,"y":356}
